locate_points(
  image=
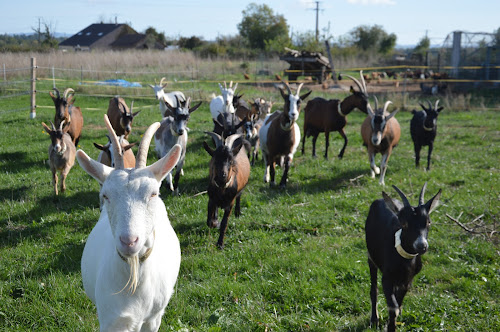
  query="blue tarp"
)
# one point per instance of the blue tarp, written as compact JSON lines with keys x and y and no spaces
{"x":122,"y":83}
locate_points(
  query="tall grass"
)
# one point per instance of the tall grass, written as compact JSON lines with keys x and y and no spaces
{"x":296,"y":258}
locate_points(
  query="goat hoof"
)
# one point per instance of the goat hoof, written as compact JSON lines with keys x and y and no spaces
{"x":377,"y":170}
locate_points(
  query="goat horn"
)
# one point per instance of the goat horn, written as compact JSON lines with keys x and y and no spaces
{"x":300,"y":87}
{"x":57,"y":92}
{"x":52,"y":125}
{"x":68,"y":90}
{"x":216,"y":137}
{"x":403,"y":197}
{"x":225,"y":85}
{"x":235,"y":86}
{"x":188,"y":101}
{"x":230,"y":140}
{"x":231,"y":84}
{"x":376,"y":103}
{"x":131,"y":107}
{"x":61,"y":125}
{"x":142,"y":153}
{"x":421,"y":198}
{"x":287,"y":86}
{"x":365,"y":90}
{"x":161,"y":81}
{"x":370,"y":110}
{"x":437,"y":103}
{"x":387,"y":103}
{"x":117,"y":151}
{"x":355,"y":81}
{"x":430,"y":105}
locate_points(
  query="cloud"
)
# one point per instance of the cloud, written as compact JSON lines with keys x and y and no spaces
{"x":372,"y":2}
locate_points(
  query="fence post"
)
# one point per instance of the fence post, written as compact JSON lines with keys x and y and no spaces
{"x":4,"y":73}
{"x":33,"y":88}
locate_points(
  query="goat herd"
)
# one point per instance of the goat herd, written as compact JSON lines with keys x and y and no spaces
{"x":132,"y":256}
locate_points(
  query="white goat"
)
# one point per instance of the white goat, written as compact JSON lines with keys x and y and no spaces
{"x":132,"y":257}
{"x":168,"y":97}
{"x":224,"y":103}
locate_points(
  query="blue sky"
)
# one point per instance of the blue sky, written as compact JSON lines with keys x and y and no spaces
{"x":410,"y":20}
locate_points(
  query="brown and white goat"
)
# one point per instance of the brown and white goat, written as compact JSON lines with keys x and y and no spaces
{"x":106,"y":155}
{"x":396,"y":238}
{"x":62,"y":153}
{"x":65,"y":111}
{"x":228,"y":176}
{"x":120,"y":116}
{"x":380,"y":132}
{"x":280,"y":135}
{"x":324,"y":116}
{"x":251,"y":132}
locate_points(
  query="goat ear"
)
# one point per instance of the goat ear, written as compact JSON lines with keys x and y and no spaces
{"x":432,"y":204}
{"x":47,"y":129}
{"x":283,"y":94}
{"x":237,"y":148}
{"x":54,"y":98}
{"x":351,"y":90}
{"x":391,"y":115}
{"x":99,"y":146}
{"x":440,"y":109}
{"x":128,"y":146}
{"x":162,"y":167}
{"x":304,"y":96}
{"x":392,"y":205}
{"x":208,"y":149}
{"x":151,"y":86}
{"x":93,"y":168}
{"x":135,"y":113}
{"x":194,"y":108}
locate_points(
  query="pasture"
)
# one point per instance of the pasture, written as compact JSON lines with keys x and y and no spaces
{"x":296,"y":258}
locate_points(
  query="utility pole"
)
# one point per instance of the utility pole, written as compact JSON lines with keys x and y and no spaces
{"x":317,"y":12}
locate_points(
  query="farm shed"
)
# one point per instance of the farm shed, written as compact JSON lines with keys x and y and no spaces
{"x":304,"y":63}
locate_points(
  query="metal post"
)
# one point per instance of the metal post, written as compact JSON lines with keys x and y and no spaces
{"x":33,"y":88}
{"x":4,"y":73}
{"x":330,"y":59}
{"x":53,"y":78}
{"x":455,"y":53}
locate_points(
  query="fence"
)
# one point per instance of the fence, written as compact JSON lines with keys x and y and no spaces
{"x":107,"y":83}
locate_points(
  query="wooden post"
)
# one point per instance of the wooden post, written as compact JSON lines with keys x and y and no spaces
{"x":33,"y":88}
{"x":330,"y":59}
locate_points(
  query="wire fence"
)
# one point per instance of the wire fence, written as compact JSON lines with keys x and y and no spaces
{"x":18,"y":82}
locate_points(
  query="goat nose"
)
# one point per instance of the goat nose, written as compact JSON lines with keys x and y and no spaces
{"x":181,"y":131}
{"x":129,"y":241}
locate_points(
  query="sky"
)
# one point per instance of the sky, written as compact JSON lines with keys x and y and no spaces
{"x":410,"y":20}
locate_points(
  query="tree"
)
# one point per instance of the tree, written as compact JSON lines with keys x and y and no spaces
{"x":260,"y":25}
{"x":373,"y":39}
{"x":153,"y":36}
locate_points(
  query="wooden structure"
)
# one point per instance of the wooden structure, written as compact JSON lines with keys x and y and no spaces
{"x":304,"y":63}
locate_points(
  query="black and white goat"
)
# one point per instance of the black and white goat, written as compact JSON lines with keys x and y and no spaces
{"x":396,"y":237}
{"x":280,"y":135}
{"x":173,"y":130}
{"x":228,"y":175}
{"x":423,"y":130}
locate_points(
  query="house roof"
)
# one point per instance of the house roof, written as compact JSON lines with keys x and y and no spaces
{"x":129,"y":40}
{"x":90,"y":34}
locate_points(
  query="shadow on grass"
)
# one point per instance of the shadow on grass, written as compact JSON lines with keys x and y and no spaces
{"x":15,"y":162}
{"x":13,"y":194}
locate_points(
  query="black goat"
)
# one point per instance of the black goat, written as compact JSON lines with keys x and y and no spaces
{"x":229,"y":174}
{"x":423,"y":129}
{"x":396,"y":237}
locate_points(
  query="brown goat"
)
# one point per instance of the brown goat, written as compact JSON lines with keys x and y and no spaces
{"x":324,"y":116}
{"x":380,"y":132}
{"x":120,"y":116}
{"x":71,"y":115}
{"x":229,"y":174}
{"x":106,"y":155}
{"x":280,"y":135}
{"x":62,"y":153}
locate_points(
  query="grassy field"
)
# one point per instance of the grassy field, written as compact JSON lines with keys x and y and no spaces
{"x":296,"y":258}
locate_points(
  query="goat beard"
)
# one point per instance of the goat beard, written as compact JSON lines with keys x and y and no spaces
{"x":133,"y":279}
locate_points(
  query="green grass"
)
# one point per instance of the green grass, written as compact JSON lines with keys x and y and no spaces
{"x":296,"y":258}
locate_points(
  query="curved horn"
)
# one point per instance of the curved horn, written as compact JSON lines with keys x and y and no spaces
{"x":230,"y":84}
{"x":225,"y":85}
{"x":61,"y":125}
{"x":142,"y":152}
{"x":287,"y":86}
{"x":161,"y":81}
{"x":421,"y":198}
{"x":117,"y":150}
{"x":188,"y":101}
{"x":369,"y":108}
{"x":57,"y":92}
{"x":403,"y":197}
{"x":355,"y":81}
{"x":235,"y":86}
{"x":68,"y":90}
{"x":300,"y":87}
{"x":365,"y":90}
{"x":230,"y":140}
{"x":436,"y":106}
{"x":376,"y":103}
{"x":430,"y":105}
{"x":216,"y":137}
{"x":387,"y":103}
{"x":52,"y":125}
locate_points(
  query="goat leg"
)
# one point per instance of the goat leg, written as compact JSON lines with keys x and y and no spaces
{"x":266,"y":163}
{"x":176,"y":180}
{"x":383,"y":166}
{"x":237,"y":210}
{"x":212,"y":221}
{"x":431,"y":146}
{"x":417,"y":154}
{"x":373,"y":293}
{"x":373,"y":168}
{"x":54,"y":181}
{"x":272,"y":171}
{"x":284,"y":178}
{"x":315,"y":138}
{"x":342,"y":133}
{"x":304,"y":141}
{"x":223,"y":227}
{"x":327,"y":143}
{"x":392,"y":304}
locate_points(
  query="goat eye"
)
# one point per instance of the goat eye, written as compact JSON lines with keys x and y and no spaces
{"x":105,"y":197}
{"x":153,"y":195}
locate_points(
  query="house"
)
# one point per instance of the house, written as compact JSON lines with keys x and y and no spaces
{"x":108,"y":36}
